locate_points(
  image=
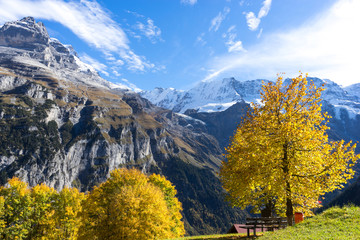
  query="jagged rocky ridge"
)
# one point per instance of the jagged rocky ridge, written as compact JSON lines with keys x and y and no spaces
{"x":63,"y":125}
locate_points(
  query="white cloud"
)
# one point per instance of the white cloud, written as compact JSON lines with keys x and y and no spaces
{"x":326,"y":46}
{"x":138,"y":15}
{"x":130,"y":85}
{"x":233,"y":44}
{"x":100,"y":67}
{"x":188,"y":2}
{"x":253,"y":21}
{"x":216,"y":21}
{"x":146,"y":27}
{"x":200,"y":39}
{"x":87,"y":19}
{"x":119,"y":62}
{"x":149,"y":30}
{"x":264,"y":9}
{"x":116,"y":73}
{"x":136,"y":63}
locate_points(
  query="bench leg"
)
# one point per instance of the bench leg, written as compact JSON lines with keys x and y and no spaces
{"x":248,"y":232}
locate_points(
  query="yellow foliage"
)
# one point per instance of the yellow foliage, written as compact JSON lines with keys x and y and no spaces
{"x":42,"y":211}
{"x":39,"y":212}
{"x":281,"y":152}
{"x":16,"y":210}
{"x":129,"y":206}
{"x":173,"y":204}
{"x":67,"y":208}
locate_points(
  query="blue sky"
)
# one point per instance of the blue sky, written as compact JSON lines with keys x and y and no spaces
{"x":177,"y":43}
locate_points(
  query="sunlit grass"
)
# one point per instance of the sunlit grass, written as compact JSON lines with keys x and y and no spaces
{"x":334,"y":223}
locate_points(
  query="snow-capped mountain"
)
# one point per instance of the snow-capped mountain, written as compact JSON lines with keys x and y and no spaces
{"x":219,"y":95}
{"x":353,"y":90}
{"x":27,"y":42}
{"x":340,"y":98}
{"x":212,"y":96}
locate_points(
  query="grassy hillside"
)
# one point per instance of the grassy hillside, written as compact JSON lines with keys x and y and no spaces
{"x":334,"y":223}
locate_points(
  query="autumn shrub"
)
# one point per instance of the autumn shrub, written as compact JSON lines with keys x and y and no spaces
{"x":130,"y":205}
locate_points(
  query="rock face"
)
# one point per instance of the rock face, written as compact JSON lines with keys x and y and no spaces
{"x":26,"y":34}
{"x":62,"y":124}
{"x":222,"y":125}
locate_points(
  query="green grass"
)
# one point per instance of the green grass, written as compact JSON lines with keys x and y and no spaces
{"x":334,"y":223}
{"x":215,"y":237}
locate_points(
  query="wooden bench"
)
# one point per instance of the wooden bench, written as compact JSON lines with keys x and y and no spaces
{"x":267,"y":223}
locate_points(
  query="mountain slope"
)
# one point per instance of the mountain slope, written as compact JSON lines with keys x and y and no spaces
{"x":62,"y":124}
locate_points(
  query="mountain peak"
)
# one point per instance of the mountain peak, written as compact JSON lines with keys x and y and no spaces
{"x":24,"y":33}
{"x":25,"y":43}
{"x":28,"y":19}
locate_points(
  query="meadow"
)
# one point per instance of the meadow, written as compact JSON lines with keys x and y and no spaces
{"x":334,"y":223}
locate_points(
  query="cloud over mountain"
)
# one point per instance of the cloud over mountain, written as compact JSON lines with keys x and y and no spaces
{"x":86,"y":19}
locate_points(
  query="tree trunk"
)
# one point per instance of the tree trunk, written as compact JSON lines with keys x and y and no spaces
{"x":268,"y":210}
{"x":289,"y":205}
{"x":289,"y":212}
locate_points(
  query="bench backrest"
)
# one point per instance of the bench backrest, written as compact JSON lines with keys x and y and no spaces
{"x":266,"y":221}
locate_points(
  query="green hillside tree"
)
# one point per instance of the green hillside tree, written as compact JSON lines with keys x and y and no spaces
{"x":280,"y":154}
{"x":130,"y":206}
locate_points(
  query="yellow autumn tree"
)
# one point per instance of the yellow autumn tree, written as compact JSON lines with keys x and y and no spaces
{"x":173,"y":204}
{"x":16,"y":210}
{"x":129,"y":206}
{"x":67,"y":206}
{"x":2,"y":215}
{"x":280,"y":154}
{"x":39,"y":212}
{"x":41,"y":218}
